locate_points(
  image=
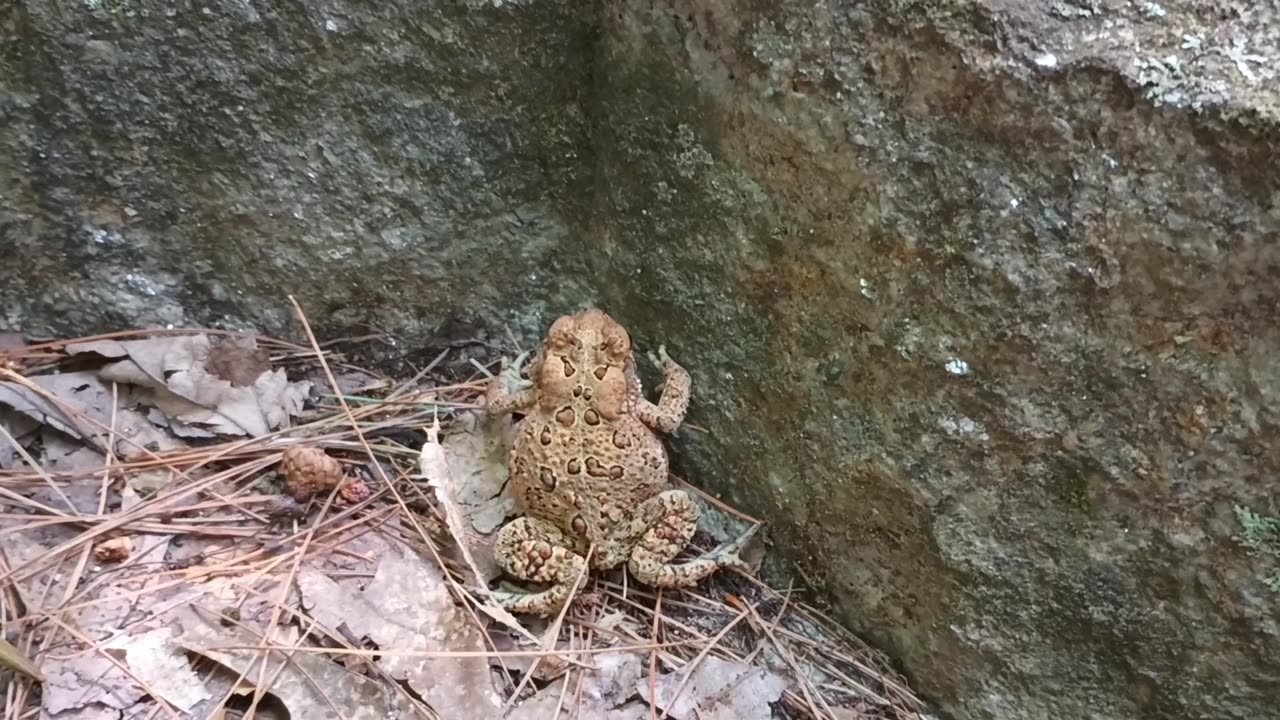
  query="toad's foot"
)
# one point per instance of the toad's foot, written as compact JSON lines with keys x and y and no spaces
{"x":662,"y":360}
{"x":673,"y":518}
{"x":670,"y":410}
{"x":537,"y":551}
{"x":728,"y":554}
{"x":508,"y":391}
{"x":510,"y":373}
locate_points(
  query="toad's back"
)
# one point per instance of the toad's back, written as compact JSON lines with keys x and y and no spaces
{"x":581,"y":459}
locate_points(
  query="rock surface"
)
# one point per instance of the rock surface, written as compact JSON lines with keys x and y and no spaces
{"x":981,"y":307}
{"x":395,"y":165}
{"x":980,"y":298}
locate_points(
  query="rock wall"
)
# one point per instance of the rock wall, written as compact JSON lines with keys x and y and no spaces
{"x":981,"y":306}
{"x":396,"y":164}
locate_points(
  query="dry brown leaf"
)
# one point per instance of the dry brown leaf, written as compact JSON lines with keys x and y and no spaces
{"x":114,"y":550}
{"x":439,"y":466}
{"x":634,"y":710}
{"x":352,"y":382}
{"x":136,"y":436}
{"x":612,"y":680}
{"x":22,"y":428}
{"x":86,"y":680}
{"x":446,"y":471}
{"x":64,"y":454}
{"x":187,"y":391}
{"x":545,"y":668}
{"x":238,"y":360}
{"x":718,"y":690}
{"x":11,"y":341}
{"x":43,"y":590}
{"x":310,"y":685}
{"x":407,"y":607}
{"x":478,"y":465}
{"x":82,"y":392}
{"x":88,"y":419}
{"x":603,"y":693}
{"x":542,"y":704}
{"x":155,"y":660}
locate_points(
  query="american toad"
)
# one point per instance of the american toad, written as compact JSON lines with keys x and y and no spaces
{"x":588,"y":470}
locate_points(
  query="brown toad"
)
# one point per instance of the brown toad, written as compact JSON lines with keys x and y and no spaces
{"x":588,"y":470}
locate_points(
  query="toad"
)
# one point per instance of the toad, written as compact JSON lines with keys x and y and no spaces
{"x":589,"y":471}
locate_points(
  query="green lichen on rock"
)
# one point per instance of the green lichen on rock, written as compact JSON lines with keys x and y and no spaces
{"x":1261,"y":534}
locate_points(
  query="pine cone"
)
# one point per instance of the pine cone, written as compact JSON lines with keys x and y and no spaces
{"x":307,"y":471}
{"x":354,"y":491}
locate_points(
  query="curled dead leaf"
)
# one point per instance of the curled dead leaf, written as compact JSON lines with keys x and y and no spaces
{"x":183,"y":375}
{"x":116,"y":549}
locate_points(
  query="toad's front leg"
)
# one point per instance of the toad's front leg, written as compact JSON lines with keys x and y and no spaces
{"x":667,"y":415}
{"x":537,"y":551}
{"x":670,"y":519}
{"x":508,"y":392}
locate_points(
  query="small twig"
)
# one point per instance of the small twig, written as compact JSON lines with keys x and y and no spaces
{"x":653,"y":658}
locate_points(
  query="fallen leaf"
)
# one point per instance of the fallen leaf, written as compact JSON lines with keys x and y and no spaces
{"x":478,"y":466}
{"x":11,"y":341}
{"x":63,"y":454}
{"x":438,"y":467}
{"x":407,"y":607}
{"x":718,"y":690}
{"x":179,"y":428}
{"x":174,"y":369}
{"x":634,"y":710}
{"x":611,"y":681}
{"x":86,"y":397}
{"x":310,"y":685}
{"x":155,"y":660}
{"x":28,"y":546}
{"x":545,"y":668}
{"x":113,"y":550}
{"x":136,"y":436}
{"x":238,"y":360}
{"x":602,"y":693}
{"x":83,"y":412}
{"x":84,"y":680}
{"x":542,"y":704}
{"x":350,"y":381}
{"x":22,"y":428}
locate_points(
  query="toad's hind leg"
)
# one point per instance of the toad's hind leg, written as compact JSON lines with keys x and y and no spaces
{"x":671,"y":517}
{"x":535,"y":550}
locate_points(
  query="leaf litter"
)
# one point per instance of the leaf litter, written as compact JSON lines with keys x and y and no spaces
{"x":152,"y":566}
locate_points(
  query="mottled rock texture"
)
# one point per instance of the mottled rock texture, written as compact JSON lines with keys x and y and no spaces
{"x":983,"y":315}
{"x":394,"y":164}
{"x":981,"y":299}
